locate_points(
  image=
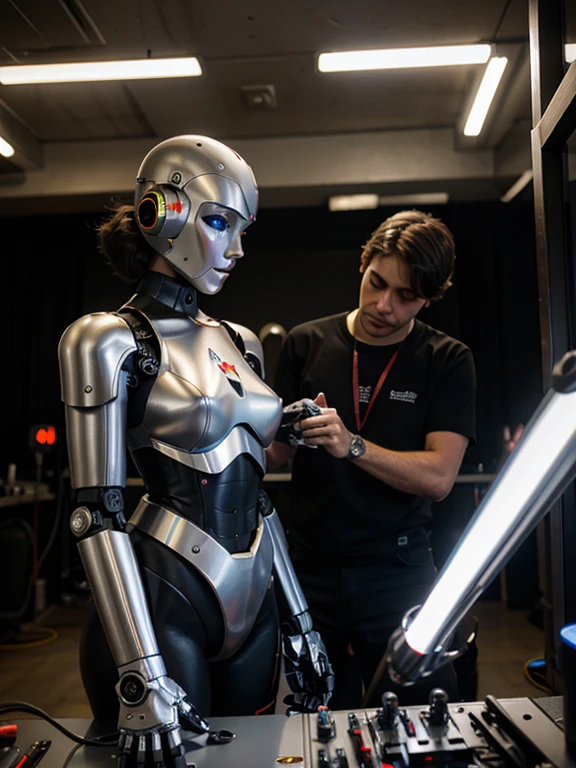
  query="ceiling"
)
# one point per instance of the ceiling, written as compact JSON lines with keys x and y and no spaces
{"x":261,"y":42}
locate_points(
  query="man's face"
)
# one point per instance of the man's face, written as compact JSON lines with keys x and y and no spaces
{"x":387,"y":300}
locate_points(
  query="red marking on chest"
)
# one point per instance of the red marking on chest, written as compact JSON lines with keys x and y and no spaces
{"x":227,"y":368}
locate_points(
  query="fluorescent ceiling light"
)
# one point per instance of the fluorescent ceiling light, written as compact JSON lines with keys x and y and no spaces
{"x":136,"y":69}
{"x":486,"y":92}
{"x":424,"y":198}
{"x":352,"y":202}
{"x":6,"y":150}
{"x":403,"y":58}
{"x":570,"y":52}
{"x":518,"y":186}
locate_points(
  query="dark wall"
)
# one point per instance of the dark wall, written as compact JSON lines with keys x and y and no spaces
{"x":300,"y":264}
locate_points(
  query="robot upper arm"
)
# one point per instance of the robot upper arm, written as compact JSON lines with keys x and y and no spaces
{"x":254,"y":353}
{"x":91,"y":352}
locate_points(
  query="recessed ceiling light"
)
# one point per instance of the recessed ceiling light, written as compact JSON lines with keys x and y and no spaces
{"x":84,"y":71}
{"x":6,"y":150}
{"x":401,"y":58}
{"x":485,"y":95}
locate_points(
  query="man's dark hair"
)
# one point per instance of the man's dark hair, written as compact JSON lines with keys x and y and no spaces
{"x":424,"y":243}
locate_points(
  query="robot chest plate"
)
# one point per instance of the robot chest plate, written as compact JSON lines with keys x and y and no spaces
{"x":205,"y":389}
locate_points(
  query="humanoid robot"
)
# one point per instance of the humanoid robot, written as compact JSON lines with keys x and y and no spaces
{"x":189,"y":578}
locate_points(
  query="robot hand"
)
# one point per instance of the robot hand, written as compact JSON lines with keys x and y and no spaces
{"x":151,"y":715}
{"x":292,"y":415}
{"x":308,"y":672}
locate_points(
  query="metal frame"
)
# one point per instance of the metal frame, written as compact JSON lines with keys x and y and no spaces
{"x":553,"y":119}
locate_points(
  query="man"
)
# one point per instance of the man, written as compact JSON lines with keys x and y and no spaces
{"x":397,"y":401}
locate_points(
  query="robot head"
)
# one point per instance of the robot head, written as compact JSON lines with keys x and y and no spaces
{"x":194,"y":198}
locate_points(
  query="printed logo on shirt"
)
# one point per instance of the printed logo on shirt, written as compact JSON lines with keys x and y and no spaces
{"x":364,"y":394}
{"x":406,"y":397}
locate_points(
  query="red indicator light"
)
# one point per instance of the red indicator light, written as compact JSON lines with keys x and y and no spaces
{"x":50,"y":435}
{"x":41,"y":436}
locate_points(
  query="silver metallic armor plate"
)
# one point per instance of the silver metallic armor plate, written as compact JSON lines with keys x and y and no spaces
{"x":207,"y":406}
{"x":239,"y":581}
{"x":92,"y":352}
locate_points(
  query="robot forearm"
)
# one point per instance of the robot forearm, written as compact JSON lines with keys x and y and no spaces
{"x":283,"y":568}
{"x":306,"y":663}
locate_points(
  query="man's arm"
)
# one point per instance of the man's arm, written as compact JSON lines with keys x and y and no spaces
{"x":277,"y":454}
{"x":429,"y":473}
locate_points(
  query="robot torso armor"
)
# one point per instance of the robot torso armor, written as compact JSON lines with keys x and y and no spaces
{"x":196,"y":420}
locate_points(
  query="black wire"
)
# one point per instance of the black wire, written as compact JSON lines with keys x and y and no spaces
{"x":23,"y":706}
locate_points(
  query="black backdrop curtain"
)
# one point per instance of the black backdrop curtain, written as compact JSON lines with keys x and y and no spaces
{"x":299,"y":264}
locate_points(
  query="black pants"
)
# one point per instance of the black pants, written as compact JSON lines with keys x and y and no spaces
{"x":357,"y":609}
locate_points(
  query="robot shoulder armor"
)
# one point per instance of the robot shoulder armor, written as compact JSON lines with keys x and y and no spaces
{"x":252,"y":345}
{"x":91,"y":352}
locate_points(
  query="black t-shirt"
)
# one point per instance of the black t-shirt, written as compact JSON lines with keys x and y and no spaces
{"x":339,"y":512}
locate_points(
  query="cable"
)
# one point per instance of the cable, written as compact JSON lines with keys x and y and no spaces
{"x":23,"y":706}
{"x":536,"y":679}
{"x":49,"y":635}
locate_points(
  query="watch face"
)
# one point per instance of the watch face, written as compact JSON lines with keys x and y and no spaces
{"x":357,"y":447}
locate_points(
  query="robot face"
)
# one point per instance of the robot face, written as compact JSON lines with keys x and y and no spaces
{"x":194,"y":198}
{"x":219,"y":230}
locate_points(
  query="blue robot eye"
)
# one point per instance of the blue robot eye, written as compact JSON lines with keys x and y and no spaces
{"x":216,"y":222}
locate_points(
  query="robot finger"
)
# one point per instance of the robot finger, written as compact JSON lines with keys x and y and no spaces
{"x":125,"y":748}
{"x":176,"y":748}
{"x":157,"y":753}
{"x":141,"y":753}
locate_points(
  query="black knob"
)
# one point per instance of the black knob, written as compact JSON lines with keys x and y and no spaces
{"x":326,"y":725}
{"x":438,"y":712}
{"x":388,"y":715}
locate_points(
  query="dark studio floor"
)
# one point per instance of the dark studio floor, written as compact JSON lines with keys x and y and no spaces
{"x":48,"y":676}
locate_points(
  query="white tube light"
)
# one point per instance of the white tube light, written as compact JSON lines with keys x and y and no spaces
{"x":403,"y":58}
{"x":85,"y":71}
{"x":518,"y":498}
{"x":6,"y":150}
{"x":419,"y":198}
{"x":518,"y":186}
{"x":353,"y":202}
{"x":485,"y":95}
{"x":570,"y":52}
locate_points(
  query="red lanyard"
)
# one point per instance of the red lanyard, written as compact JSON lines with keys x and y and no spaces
{"x":381,"y":380}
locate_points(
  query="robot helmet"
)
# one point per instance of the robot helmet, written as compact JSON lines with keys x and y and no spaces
{"x":194,"y":198}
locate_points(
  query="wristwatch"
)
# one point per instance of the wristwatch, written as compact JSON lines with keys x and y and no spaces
{"x":357,"y":448}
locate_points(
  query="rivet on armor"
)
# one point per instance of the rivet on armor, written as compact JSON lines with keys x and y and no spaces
{"x":176,"y":177}
{"x":81,"y":521}
{"x":142,"y":717}
{"x":129,"y":716}
{"x":220,"y":166}
{"x":87,"y":389}
{"x":204,"y":481}
{"x":195,"y":549}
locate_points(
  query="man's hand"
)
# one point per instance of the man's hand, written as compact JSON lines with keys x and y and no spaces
{"x":327,"y":430}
